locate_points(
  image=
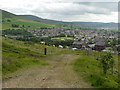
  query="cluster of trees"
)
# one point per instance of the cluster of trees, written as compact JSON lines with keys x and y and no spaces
{"x":6,"y":20}
{"x":107,"y":62}
{"x":91,"y":42}
{"x":16,"y":32}
{"x":63,"y":43}
{"x":45,"y":28}
{"x":47,"y":40}
{"x":61,"y":35}
{"x":15,"y":25}
{"x":115,"y":42}
{"x":29,"y":37}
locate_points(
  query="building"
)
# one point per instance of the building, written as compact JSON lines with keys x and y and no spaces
{"x":100,"y":46}
{"x":77,"y":45}
{"x":91,"y":46}
{"x":118,"y":47}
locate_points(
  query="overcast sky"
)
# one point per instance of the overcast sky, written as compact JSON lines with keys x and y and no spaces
{"x":64,"y":10}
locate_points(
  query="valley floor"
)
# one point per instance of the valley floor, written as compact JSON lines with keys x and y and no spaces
{"x":58,"y":74}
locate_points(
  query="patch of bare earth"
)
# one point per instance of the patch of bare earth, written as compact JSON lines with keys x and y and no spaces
{"x":59,"y":74}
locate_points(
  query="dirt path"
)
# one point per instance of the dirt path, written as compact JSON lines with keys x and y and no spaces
{"x":59,"y":74}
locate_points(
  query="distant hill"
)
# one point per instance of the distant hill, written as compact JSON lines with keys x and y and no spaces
{"x":74,"y":24}
{"x":32,"y":18}
{"x":9,"y":20}
{"x":38,"y":19}
{"x":6,"y":14}
{"x":95,"y":25}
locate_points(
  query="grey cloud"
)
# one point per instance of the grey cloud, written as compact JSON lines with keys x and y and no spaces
{"x":77,"y":9}
{"x":67,"y":11}
{"x":111,"y":6}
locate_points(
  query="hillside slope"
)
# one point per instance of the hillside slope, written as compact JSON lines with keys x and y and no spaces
{"x":25,"y":66}
{"x":38,"y":19}
{"x":6,"y":14}
{"x":12,"y":21}
{"x":48,"y":22}
{"x":74,"y":24}
{"x":18,"y":54}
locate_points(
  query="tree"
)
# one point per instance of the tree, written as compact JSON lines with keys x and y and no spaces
{"x":107,"y":62}
{"x":114,"y":42}
{"x":8,"y":20}
{"x":91,"y":42}
{"x":14,"y":25}
{"x":79,"y":40}
{"x":22,"y":25}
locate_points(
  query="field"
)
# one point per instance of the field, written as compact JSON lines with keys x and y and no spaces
{"x":60,"y":38}
{"x":26,"y":23}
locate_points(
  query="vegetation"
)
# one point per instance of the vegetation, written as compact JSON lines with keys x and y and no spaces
{"x":21,"y":32}
{"x":60,"y":38}
{"x":26,"y":24}
{"x":17,"y":54}
{"x":92,"y":72}
{"x":12,"y":21}
{"x":36,"y":22}
{"x":29,"y":37}
{"x":72,"y":25}
{"x":107,"y":62}
{"x":63,"y":43}
{"x":28,"y":51}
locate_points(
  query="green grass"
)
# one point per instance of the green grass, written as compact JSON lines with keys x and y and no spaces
{"x":8,"y":19}
{"x":17,"y":55}
{"x":59,"y":38}
{"x":14,"y":19}
{"x":8,"y":25}
{"x":32,"y":24}
{"x":26,"y":23}
{"x":91,"y":71}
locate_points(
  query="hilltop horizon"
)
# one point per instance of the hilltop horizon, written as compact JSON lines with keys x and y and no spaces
{"x":54,"y":20}
{"x":92,"y":25}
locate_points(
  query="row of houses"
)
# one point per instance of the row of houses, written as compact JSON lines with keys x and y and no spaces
{"x":99,"y":46}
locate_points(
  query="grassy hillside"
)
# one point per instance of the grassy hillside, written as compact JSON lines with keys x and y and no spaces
{"x":8,"y":19}
{"x":27,"y":24}
{"x":38,"y":19}
{"x":92,"y":25}
{"x":38,"y":22}
{"x":17,"y":54}
{"x":6,"y":14}
{"x":91,"y":70}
